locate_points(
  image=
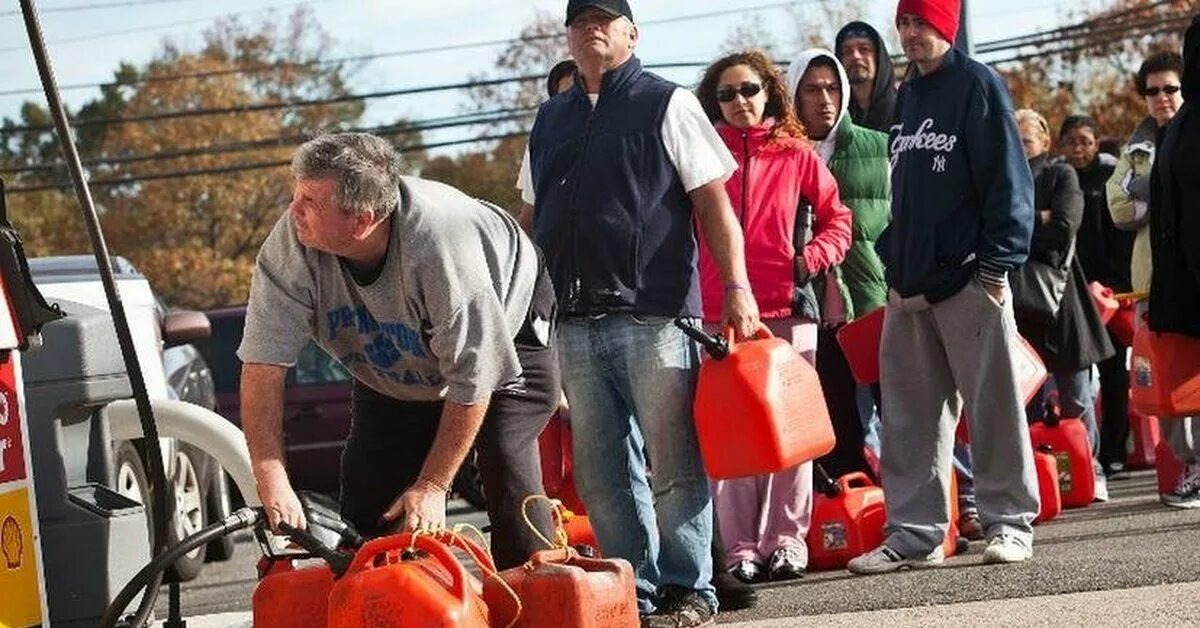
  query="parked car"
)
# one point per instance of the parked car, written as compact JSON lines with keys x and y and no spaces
{"x":171,"y":369}
{"x":316,"y":408}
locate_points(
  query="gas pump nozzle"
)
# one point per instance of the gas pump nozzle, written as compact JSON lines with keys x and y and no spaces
{"x":326,"y":532}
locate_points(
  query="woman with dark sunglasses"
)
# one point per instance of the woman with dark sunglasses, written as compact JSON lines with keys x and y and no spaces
{"x":781,"y":188}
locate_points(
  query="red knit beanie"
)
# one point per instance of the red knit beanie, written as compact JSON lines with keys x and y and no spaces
{"x":942,"y":15}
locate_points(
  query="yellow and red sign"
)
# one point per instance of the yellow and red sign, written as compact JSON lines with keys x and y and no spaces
{"x":22,"y":591}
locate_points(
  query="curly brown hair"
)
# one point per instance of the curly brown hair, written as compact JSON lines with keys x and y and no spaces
{"x":779,"y":102}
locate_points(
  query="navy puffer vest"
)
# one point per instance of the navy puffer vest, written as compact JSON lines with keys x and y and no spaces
{"x":612,"y":216}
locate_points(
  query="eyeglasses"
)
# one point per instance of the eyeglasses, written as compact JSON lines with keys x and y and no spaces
{"x":747,"y":90}
{"x":1151,"y":92}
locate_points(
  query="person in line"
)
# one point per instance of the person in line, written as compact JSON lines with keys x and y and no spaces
{"x":1104,"y":252}
{"x":561,"y":77}
{"x":962,"y":216}
{"x":1075,"y":339}
{"x":764,"y":519}
{"x":1140,"y":187}
{"x":872,"y":78}
{"x":439,"y":307}
{"x":619,"y":169}
{"x":857,"y":157}
{"x":1159,"y":80}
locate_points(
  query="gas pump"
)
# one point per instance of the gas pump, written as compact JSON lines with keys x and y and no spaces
{"x":21,"y":583}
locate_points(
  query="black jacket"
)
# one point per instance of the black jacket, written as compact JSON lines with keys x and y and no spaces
{"x":880,"y":115}
{"x":1104,"y":251}
{"x":1175,"y":208}
{"x":1077,"y":338}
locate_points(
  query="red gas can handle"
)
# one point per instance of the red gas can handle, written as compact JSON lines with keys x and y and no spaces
{"x":761,"y":333}
{"x":373,"y":548}
{"x":569,"y":556}
{"x":847,"y":482}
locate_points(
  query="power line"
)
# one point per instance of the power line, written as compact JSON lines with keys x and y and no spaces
{"x":178,"y":174}
{"x":1056,"y":33}
{"x":143,"y":29}
{"x":470,"y":119}
{"x":397,"y":53}
{"x":89,"y":7}
{"x":1123,"y":32}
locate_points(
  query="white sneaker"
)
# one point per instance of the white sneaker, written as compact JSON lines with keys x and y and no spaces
{"x":1101,"y":489}
{"x":884,"y":559}
{"x":1005,"y":548}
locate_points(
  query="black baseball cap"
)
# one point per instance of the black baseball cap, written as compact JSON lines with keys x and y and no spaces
{"x":612,"y":7}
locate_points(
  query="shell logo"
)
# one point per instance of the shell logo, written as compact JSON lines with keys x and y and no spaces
{"x":10,"y":542}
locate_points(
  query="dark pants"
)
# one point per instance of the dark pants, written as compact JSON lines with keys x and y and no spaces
{"x":389,"y":440}
{"x":1114,"y":399}
{"x":840,"y":396}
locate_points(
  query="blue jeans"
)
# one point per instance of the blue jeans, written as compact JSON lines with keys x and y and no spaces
{"x":630,"y":381}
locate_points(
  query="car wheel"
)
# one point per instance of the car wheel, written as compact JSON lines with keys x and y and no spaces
{"x":468,"y":484}
{"x":131,"y":481}
{"x":216,"y":496}
{"x":188,"y":514}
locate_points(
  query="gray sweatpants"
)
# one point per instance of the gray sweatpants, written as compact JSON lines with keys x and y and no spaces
{"x":933,"y":360}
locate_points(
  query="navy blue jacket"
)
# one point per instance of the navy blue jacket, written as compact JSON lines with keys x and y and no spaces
{"x":610,"y":213}
{"x":962,"y":193}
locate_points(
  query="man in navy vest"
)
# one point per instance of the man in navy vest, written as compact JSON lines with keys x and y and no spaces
{"x":615,"y":166}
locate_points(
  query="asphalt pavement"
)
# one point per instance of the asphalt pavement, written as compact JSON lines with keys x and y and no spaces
{"x":1128,"y":562}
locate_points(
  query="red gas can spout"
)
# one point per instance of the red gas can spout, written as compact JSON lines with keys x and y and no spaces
{"x":825,"y":484}
{"x":716,"y":346}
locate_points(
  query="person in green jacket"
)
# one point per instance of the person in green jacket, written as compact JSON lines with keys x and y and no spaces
{"x":858,"y":158}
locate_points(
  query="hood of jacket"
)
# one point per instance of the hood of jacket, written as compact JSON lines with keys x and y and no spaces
{"x":796,"y":72}
{"x":885,"y":72}
{"x":1191,"y":62}
{"x":1143,"y":137}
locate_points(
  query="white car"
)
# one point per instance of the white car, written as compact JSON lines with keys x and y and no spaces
{"x":171,"y":369}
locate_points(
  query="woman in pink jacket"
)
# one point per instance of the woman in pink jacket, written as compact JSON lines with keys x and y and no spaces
{"x":795,"y":227}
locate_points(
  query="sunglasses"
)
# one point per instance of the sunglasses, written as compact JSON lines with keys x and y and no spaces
{"x":1165,"y":89}
{"x":747,"y":90}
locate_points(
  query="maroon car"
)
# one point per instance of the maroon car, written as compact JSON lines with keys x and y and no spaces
{"x":316,"y":403}
{"x":316,"y":408}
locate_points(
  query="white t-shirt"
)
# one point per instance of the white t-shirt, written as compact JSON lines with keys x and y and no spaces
{"x":692,"y":144}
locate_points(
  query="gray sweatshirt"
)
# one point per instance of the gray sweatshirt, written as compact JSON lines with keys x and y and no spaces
{"x":439,"y":320}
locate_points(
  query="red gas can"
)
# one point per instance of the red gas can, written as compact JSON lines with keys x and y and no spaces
{"x":760,"y":409}
{"x":859,"y":340}
{"x":847,"y":520}
{"x":291,"y":594}
{"x":558,"y":463}
{"x":1145,"y":435}
{"x":1068,"y":443}
{"x":1121,"y":324}
{"x":1164,"y":373}
{"x":1106,"y":303}
{"x":1047,"y":477}
{"x":1168,"y":469}
{"x":579,"y":530}
{"x":399,"y":581}
{"x":561,"y":588}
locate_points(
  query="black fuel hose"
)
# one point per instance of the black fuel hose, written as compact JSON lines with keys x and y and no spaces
{"x":240,"y":520}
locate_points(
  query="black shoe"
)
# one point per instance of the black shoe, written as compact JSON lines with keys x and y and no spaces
{"x":1116,"y":471}
{"x":680,"y":608}
{"x":733,"y":594}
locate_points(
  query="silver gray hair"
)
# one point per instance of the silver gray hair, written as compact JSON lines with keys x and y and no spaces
{"x":365,"y":170}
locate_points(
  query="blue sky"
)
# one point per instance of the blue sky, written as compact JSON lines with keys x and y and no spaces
{"x":104,"y":37}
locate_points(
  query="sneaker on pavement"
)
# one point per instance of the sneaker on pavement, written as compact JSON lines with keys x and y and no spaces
{"x":787,"y":563}
{"x":733,"y":594}
{"x":1005,"y":548}
{"x":1101,"y":489}
{"x":884,"y":559}
{"x":680,"y":608}
{"x":747,"y":571}
{"x":1187,"y":490}
{"x":970,"y":527}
